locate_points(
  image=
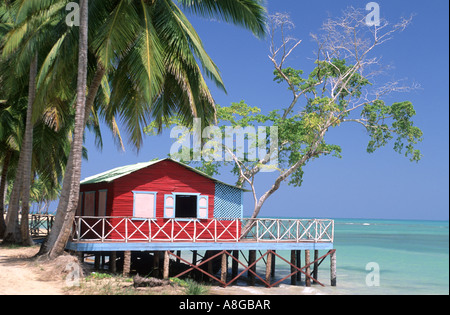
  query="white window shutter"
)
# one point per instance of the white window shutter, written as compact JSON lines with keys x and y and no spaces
{"x":169,"y":206}
{"x":202,"y":207}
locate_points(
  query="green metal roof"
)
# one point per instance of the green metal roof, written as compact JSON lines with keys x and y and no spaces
{"x":111,"y":175}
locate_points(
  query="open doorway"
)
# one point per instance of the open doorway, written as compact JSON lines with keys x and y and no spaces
{"x":186,"y":206}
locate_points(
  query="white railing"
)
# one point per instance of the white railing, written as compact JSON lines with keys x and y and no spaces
{"x":127,"y":229}
{"x":289,"y":230}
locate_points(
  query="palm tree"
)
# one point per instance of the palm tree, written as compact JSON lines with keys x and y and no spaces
{"x":11,"y":126}
{"x":146,"y":53}
{"x":155,"y":58}
{"x":22,"y":38}
{"x":21,"y":189}
{"x":54,"y":246}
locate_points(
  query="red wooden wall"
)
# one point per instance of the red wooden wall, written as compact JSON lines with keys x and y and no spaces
{"x":165,"y":177}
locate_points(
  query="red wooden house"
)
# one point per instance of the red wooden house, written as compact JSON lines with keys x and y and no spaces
{"x":161,"y":200}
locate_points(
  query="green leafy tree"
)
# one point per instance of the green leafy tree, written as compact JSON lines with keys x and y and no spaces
{"x":151,"y":56}
{"x":339,"y":90}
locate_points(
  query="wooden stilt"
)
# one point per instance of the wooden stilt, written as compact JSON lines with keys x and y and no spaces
{"x":112,"y":262}
{"x":273,"y":264}
{"x":316,"y":266}
{"x":294,"y":263}
{"x":333,"y":268}
{"x":97,"y":261}
{"x":166,"y":265}
{"x":251,"y":260}
{"x":308,"y":269}
{"x":299,"y":264}
{"x":178,"y":254}
{"x":103,"y":261}
{"x":80,"y":257}
{"x":223,"y":272}
{"x":156,"y":256}
{"x":194,"y":257}
{"x":269,"y":267}
{"x":126,"y":263}
{"x":234,"y":264}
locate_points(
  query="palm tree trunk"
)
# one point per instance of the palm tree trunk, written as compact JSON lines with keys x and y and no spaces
{"x":60,"y":233}
{"x":3,"y":187}
{"x":27,"y":150}
{"x":14,"y":233}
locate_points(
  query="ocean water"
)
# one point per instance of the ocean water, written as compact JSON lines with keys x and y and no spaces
{"x":386,"y":257}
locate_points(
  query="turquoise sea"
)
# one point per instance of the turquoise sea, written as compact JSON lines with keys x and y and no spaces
{"x":401,"y":257}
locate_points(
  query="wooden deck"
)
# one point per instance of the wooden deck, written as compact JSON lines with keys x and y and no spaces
{"x":228,"y":238}
{"x":100,"y":236}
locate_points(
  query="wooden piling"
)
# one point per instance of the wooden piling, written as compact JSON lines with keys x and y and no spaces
{"x":333,"y":268}
{"x":294,"y":263}
{"x":156,"y":256}
{"x":80,"y":256}
{"x":126,"y":263}
{"x":273,"y":264}
{"x":251,"y":260}
{"x":97,"y":261}
{"x":308,"y":269}
{"x":234,"y":264}
{"x":223,"y":272}
{"x":103,"y":261}
{"x":269,"y":267}
{"x":299,"y":264}
{"x":166,"y":265}
{"x":112,"y":262}
{"x":316,"y":266}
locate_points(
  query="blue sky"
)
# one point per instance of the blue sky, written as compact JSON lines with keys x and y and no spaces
{"x":360,"y":185}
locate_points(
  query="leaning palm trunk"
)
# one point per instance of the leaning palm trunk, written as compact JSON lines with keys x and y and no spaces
{"x":55,"y":243}
{"x":14,"y":233}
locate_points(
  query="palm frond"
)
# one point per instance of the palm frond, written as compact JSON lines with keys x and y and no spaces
{"x":119,"y":30}
{"x":249,"y":14}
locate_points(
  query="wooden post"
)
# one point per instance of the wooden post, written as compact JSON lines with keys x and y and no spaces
{"x":166,"y":265}
{"x":251,"y":260}
{"x":126,"y":263}
{"x":156,"y":256}
{"x":223,"y":273}
{"x":179,"y":255}
{"x":97,"y":261}
{"x":299,"y":265}
{"x":103,"y":260}
{"x":194,"y":257}
{"x":294,"y":263}
{"x":316,"y":266}
{"x":273,"y":264}
{"x":269,"y":267}
{"x":333,"y":268}
{"x":308,"y":269}
{"x":80,"y":257}
{"x":112,"y":262}
{"x":234,"y":264}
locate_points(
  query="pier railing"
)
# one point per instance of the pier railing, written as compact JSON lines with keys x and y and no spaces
{"x":291,"y":230}
{"x":127,"y":229}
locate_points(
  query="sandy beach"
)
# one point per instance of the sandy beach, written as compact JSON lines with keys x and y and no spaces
{"x":20,"y":275}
